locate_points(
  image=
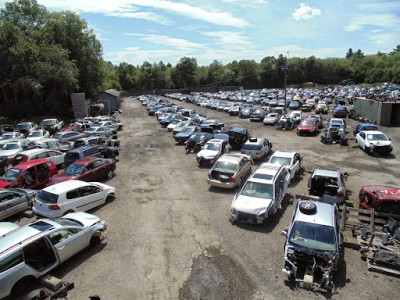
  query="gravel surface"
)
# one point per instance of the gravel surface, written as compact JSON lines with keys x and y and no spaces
{"x":169,"y":235}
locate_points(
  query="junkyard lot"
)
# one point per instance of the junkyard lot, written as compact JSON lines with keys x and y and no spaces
{"x":169,"y":234}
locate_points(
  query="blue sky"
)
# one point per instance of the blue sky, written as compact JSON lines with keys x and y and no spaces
{"x":135,"y":31}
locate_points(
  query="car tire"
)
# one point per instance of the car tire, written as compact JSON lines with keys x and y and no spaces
{"x":308,"y":207}
{"x":110,"y":174}
{"x":94,"y":241}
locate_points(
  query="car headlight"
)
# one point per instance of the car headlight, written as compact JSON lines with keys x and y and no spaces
{"x":234,"y":212}
{"x":261,"y":211}
{"x":371,"y":145}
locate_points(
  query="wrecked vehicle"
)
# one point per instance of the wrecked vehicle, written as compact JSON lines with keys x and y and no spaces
{"x":197,"y":140}
{"x":380,"y":198}
{"x":211,"y":151}
{"x":313,"y":245}
{"x":261,"y":195}
{"x":335,"y":134}
{"x":330,"y":185}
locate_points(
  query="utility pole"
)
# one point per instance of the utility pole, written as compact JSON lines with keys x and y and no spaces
{"x":285,"y":69}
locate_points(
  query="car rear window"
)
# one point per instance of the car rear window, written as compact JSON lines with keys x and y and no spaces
{"x":47,"y":197}
{"x":72,"y":155}
{"x":251,"y":147}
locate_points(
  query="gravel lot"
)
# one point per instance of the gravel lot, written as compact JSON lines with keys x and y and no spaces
{"x":169,"y":234}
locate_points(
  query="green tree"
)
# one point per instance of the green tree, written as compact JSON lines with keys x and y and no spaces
{"x":349,"y":53}
{"x":185,"y":72}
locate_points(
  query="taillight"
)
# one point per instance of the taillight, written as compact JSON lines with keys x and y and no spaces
{"x":340,"y":194}
{"x":243,"y":152}
{"x":54,"y":207}
{"x":257,"y":153}
{"x":232,"y":180}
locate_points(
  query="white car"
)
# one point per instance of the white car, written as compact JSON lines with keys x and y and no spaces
{"x":296,"y":116}
{"x":291,"y":160}
{"x":11,"y":149}
{"x":212,"y":150}
{"x":256,"y":148}
{"x":374,"y":142}
{"x":37,"y":135}
{"x":56,"y":156}
{"x":337,"y":121}
{"x":11,"y":136}
{"x":261,"y":195}
{"x":71,"y":196}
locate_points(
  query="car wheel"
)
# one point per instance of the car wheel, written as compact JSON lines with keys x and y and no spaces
{"x":94,"y":241}
{"x":307,"y":207}
{"x":366,"y":149}
{"x":21,"y":287}
{"x":110,"y":174}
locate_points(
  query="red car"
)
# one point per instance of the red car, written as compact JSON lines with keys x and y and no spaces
{"x":308,"y":126}
{"x":31,"y":174}
{"x":380,"y":198}
{"x":87,"y":169}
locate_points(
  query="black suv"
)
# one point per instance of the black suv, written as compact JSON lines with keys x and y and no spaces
{"x":238,"y":136}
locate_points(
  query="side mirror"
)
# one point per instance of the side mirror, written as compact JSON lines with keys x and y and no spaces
{"x":285,"y":233}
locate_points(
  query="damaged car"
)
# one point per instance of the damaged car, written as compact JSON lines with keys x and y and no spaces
{"x":313,"y":246}
{"x":211,"y":151}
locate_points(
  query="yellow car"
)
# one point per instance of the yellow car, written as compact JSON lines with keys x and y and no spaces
{"x":321,"y":109}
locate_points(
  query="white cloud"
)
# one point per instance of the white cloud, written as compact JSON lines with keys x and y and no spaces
{"x":177,"y":43}
{"x":383,"y":39}
{"x":98,"y":32}
{"x":230,"y":40}
{"x":245,"y":2}
{"x":305,"y":12}
{"x":380,"y":20}
{"x":138,"y":9}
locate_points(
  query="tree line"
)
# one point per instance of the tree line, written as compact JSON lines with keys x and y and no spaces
{"x":45,"y":56}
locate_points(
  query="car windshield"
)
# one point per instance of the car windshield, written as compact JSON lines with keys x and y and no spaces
{"x":35,"y":134}
{"x":11,"y":147}
{"x":208,"y":123}
{"x":11,"y":175}
{"x":47,"y":197}
{"x":23,"y":126}
{"x":7,"y":137}
{"x":251,"y":147}
{"x":71,"y":155}
{"x":74,"y":170}
{"x":281,"y":160}
{"x":311,"y":235}
{"x":257,"y":190}
{"x":374,"y":137}
{"x":91,"y":129}
{"x":212,"y":146}
{"x":48,"y":122}
{"x":307,"y":123}
{"x":57,"y":136}
{"x":187,"y":130}
{"x":224,"y":166}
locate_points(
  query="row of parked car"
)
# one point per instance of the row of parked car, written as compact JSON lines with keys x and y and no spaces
{"x":32,"y":182}
{"x":315,"y":224}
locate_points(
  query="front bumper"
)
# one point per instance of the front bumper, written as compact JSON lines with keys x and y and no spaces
{"x":243,"y":217}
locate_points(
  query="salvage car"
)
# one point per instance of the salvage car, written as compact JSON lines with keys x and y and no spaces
{"x":229,"y":171}
{"x":11,"y":149}
{"x":26,"y":127}
{"x":211,"y":151}
{"x":330,"y":185}
{"x":365,"y":127}
{"x":380,"y":198}
{"x":197,"y":140}
{"x":71,"y":196}
{"x":238,"y":136}
{"x":374,"y":142}
{"x":33,"y":250}
{"x":10,"y":136}
{"x":308,"y":126}
{"x":15,"y":200}
{"x":68,"y":136}
{"x":292,"y":161}
{"x":271,"y":119}
{"x":211,"y":125}
{"x":321,"y":109}
{"x":335,"y":133}
{"x":261,"y":195}
{"x":87,"y":169}
{"x":182,"y":136}
{"x":28,"y":155}
{"x":256,"y":148}
{"x":38,"y":134}
{"x":257,"y":115}
{"x":31,"y":174}
{"x":313,"y":246}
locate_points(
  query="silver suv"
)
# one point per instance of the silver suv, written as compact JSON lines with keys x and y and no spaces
{"x":261,"y":195}
{"x":313,"y":244}
{"x":33,"y":250}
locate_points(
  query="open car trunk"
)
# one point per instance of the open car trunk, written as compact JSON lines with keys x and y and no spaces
{"x":221,"y":176}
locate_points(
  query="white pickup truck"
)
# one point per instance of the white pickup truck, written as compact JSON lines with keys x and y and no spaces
{"x":52,"y":125}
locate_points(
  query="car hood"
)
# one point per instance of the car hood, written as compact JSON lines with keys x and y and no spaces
{"x":207,"y":153}
{"x":85,"y":218}
{"x":26,"y":191}
{"x":183,"y":134}
{"x":9,"y":152}
{"x":4,"y":184}
{"x":380,"y":143}
{"x":250,"y":204}
{"x":269,"y":119}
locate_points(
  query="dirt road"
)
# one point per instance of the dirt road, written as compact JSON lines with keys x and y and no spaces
{"x":169,"y":234}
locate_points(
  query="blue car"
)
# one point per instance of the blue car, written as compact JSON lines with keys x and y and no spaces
{"x":364,"y":127}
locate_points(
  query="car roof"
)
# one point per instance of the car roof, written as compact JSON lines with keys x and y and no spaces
{"x":324,"y":214}
{"x":234,"y":158}
{"x":326,"y":173}
{"x":86,"y":160}
{"x":374,"y":132}
{"x":265,"y":172}
{"x":65,"y":186}
{"x":33,"y":151}
{"x":257,"y":141}
{"x":83,"y":148}
{"x":31,"y":163}
{"x":216,"y":141}
{"x":384,"y":191}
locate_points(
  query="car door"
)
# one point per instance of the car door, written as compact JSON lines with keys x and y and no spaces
{"x":56,"y":156}
{"x":12,"y":203}
{"x":89,"y":173}
{"x":68,"y":241}
{"x":361,"y":139}
{"x":295,"y":166}
{"x":91,"y":197}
